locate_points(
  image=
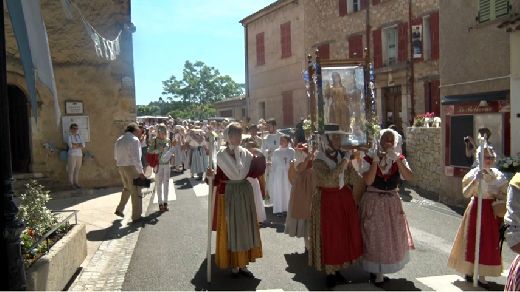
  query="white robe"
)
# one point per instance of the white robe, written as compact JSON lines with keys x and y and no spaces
{"x":279,"y":187}
{"x":259,"y":201}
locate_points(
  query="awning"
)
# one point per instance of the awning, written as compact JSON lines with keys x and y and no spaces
{"x":472,"y":97}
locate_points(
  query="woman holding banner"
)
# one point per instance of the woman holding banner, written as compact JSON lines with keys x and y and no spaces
{"x":238,"y":235}
{"x":493,"y":185}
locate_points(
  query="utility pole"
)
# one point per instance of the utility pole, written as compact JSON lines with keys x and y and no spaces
{"x":11,"y":262}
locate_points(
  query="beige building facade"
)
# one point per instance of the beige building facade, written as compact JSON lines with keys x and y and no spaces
{"x":275,"y":61}
{"x":478,"y":82}
{"x":104,"y":89}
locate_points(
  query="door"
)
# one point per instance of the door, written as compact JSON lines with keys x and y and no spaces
{"x":392,"y":106}
{"x":19,"y":130}
{"x":432,"y":97}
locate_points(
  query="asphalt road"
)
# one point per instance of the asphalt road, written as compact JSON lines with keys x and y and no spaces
{"x":170,"y":254}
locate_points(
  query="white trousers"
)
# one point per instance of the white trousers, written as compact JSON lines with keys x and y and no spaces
{"x":162,"y":178}
{"x":73,"y":166}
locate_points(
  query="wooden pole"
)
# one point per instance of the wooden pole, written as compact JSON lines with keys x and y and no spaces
{"x":210,"y":208}
{"x":482,"y":144}
{"x":319,"y":89}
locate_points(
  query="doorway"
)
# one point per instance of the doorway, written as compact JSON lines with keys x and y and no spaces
{"x":432,"y":97}
{"x":392,"y":101}
{"x":19,"y":123}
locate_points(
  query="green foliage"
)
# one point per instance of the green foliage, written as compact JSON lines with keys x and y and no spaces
{"x":200,"y":84}
{"x":193,"y":111}
{"x":33,"y":211}
{"x":148,"y":110}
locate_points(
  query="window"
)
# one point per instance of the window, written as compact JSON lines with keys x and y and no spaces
{"x":390,"y":46}
{"x":355,"y":4}
{"x":287,"y":108}
{"x":226,"y":113}
{"x":351,"y":6}
{"x":285,"y":39}
{"x":492,"y":9}
{"x":260,"y":49}
{"x":355,"y":46}
{"x":262,"y":109}
{"x":426,"y":38}
{"x":324,"y":50}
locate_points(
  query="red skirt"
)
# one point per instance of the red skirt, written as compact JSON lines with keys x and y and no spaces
{"x":340,"y":227}
{"x":489,"y":235}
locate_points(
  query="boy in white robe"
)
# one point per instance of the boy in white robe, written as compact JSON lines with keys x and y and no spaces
{"x":279,"y":186}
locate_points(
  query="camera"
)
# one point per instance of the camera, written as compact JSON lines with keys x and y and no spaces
{"x":466,"y":139}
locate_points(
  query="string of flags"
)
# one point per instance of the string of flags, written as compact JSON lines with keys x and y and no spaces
{"x":105,"y":48}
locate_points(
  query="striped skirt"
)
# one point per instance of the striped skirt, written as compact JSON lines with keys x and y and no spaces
{"x":513,"y":279}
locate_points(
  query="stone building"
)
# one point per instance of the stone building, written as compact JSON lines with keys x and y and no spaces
{"x":99,"y":92}
{"x":233,"y":107}
{"x":341,"y":29}
{"x":479,"y":72}
{"x":275,"y":60}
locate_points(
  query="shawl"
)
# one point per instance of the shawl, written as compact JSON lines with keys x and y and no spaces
{"x":235,"y":169}
{"x":332,"y":165}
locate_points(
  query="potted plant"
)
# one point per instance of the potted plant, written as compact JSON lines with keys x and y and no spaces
{"x":509,"y":165}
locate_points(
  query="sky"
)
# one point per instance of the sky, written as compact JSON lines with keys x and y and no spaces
{"x":169,"y":32}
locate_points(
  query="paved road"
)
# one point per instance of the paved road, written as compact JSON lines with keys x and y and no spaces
{"x":170,"y":255}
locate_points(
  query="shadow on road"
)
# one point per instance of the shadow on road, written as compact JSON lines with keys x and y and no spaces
{"x":221,"y":280}
{"x":399,"y":285}
{"x":116,"y":230}
{"x":466,"y":286}
{"x":183,"y":184}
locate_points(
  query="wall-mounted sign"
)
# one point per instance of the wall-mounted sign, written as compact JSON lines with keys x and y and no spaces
{"x":83,"y":127}
{"x":475,"y":108}
{"x":417,"y":41}
{"x":73,"y":107}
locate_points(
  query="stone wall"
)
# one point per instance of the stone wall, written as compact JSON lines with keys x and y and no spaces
{"x":424,"y":157}
{"x":81,"y":76}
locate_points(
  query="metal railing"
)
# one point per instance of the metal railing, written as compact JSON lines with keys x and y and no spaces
{"x":54,"y":228}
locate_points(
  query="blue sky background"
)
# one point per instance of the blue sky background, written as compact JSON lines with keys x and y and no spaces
{"x":169,"y":32}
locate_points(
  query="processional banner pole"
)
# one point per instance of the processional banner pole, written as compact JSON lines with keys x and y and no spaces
{"x":476,"y":260}
{"x":210,"y":207}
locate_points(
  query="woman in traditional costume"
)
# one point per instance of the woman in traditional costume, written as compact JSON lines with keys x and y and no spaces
{"x":199,"y":155}
{"x":512,"y":221}
{"x":493,"y":185}
{"x":238,"y":234}
{"x":179,"y":149}
{"x":279,"y":187}
{"x":335,"y":234}
{"x":251,"y":145}
{"x":161,"y":146}
{"x":386,"y":235}
{"x":297,"y":222}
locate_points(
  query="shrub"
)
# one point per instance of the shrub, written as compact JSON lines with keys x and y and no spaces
{"x":33,"y":211}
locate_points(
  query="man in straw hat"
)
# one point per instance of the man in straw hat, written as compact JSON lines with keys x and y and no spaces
{"x":336,"y":234}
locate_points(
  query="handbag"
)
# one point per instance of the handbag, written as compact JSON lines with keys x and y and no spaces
{"x":142,"y":182}
{"x":499,"y":208}
{"x":153,"y":158}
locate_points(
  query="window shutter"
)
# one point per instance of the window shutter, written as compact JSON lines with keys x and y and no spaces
{"x":364,"y":4}
{"x":287,"y":108}
{"x":402,"y":31}
{"x":501,"y":7}
{"x":342,"y":7}
{"x":434,"y":32}
{"x":355,"y":46}
{"x":378,"y":48}
{"x":324,"y":50}
{"x":484,"y":10}
{"x":419,"y":21}
{"x":285,"y":39}
{"x":375,"y":2}
{"x":260,"y":49}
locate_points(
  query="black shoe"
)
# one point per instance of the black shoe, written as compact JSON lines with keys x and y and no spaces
{"x":119,"y":213}
{"x":330,"y":281}
{"x":339,"y":278}
{"x":379,"y":284}
{"x":373,"y":278}
{"x":246,"y":273}
{"x":483,"y":285}
{"x":468,"y":278}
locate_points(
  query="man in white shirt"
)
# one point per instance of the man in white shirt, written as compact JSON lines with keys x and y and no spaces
{"x":127,"y":153}
{"x":75,"y":155}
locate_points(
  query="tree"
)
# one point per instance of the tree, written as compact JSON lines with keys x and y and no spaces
{"x":148,"y":110}
{"x":200,"y":84}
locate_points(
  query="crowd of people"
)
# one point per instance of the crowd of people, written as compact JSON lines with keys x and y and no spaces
{"x":343,"y":202}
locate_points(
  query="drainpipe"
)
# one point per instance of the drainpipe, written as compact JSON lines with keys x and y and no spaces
{"x":246,"y":80}
{"x":412,"y":63}
{"x":11,"y":263}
